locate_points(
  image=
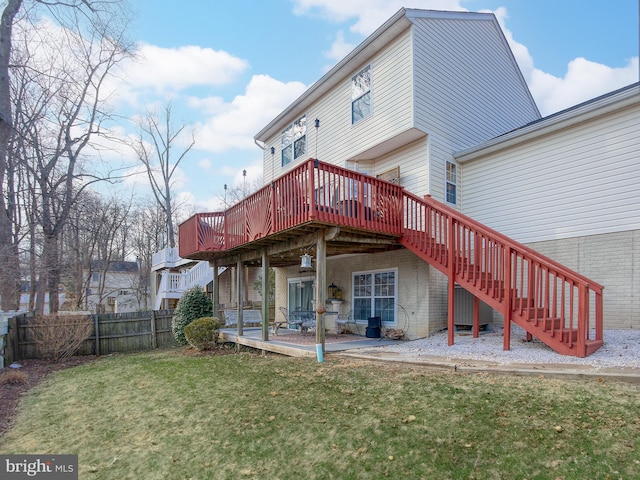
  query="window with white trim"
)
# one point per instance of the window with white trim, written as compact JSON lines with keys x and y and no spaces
{"x":451,"y":182}
{"x":294,"y":141}
{"x":361,"y":95}
{"x":375,"y":295}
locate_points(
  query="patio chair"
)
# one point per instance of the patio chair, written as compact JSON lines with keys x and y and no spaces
{"x":344,"y":320}
{"x":292,"y":320}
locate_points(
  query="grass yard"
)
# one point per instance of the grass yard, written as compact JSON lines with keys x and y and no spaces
{"x":167,"y":415}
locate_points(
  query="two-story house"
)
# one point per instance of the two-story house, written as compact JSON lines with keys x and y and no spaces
{"x":416,"y":170}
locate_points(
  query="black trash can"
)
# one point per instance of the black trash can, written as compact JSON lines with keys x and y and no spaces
{"x":374,"y":327}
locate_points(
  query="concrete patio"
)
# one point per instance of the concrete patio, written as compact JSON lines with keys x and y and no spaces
{"x":296,"y":344}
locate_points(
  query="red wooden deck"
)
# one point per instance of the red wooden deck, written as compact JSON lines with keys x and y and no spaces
{"x":551,"y":302}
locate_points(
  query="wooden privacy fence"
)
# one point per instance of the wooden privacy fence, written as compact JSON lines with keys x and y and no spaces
{"x":112,"y":333}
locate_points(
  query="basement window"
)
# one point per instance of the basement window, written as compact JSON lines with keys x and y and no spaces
{"x":375,"y":295}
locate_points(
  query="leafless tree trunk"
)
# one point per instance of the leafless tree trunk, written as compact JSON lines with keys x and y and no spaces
{"x":93,"y":29}
{"x":61,"y":115}
{"x":9,"y":263}
{"x":154,"y":150}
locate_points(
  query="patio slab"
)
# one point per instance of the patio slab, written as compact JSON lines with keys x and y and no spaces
{"x":295,"y":344}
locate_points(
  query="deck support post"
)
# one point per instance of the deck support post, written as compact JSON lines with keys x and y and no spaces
{"x":239,"y":295}
{"x":321,"y":280}
{"x":451,"y":291}
{"x":508,"y":294}
{"x":476,"y":317}
{"x":216,"y":288}
{"x":266,"y":287}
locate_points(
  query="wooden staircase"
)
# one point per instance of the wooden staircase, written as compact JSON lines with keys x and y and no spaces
{"x":556,"y":305}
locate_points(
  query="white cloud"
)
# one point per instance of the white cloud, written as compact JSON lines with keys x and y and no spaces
{"x":264,"y":98}
{"x":339,"y":48}
{"x":182,"y":67}
{"x":369,"y":14}
{"x":205,"y":164}
{"x":583,"y":80}
{"x":136,"y":177}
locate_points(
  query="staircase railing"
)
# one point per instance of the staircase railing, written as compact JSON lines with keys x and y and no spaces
{"x":527,"y":287}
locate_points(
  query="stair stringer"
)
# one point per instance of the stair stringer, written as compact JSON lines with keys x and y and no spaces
{"x":552,"y":338}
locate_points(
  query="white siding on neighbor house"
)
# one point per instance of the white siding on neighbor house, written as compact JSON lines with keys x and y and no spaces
{"x":338,"y":140}
{"x":467,"y":87}
{"x":579,"y":181}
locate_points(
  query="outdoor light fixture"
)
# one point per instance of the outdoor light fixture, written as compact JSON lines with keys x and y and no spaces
{"x":332,"y":290}
{"x":305,"y":261}
{"x":273,"y":150}
{"x":317,"y":123}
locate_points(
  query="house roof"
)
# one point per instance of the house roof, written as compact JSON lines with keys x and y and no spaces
{"x":596,"y":107}
{"x":120,"y":266}
{"x":398,"y":23}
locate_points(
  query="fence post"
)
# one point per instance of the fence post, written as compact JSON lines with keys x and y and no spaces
{"x":154,"y":341}
{"x":96,"y":326}
{"x":12,"y":338}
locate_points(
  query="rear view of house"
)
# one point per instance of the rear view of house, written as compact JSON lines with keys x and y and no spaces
{"x":371,"y":172}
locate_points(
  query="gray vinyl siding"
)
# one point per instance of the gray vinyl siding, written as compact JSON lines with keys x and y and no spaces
{"x":579,"y":181}
{"x":467,"y":87}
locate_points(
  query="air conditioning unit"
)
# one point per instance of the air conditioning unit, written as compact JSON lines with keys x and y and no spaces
{"x":111,"y":300}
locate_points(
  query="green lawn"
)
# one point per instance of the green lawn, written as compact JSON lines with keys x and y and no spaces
{"x":167,"y":415}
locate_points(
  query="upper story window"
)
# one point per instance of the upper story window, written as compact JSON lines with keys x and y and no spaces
{"x":451,"y":183}
{"x":361,"y":95}
{"x":294,"y":141}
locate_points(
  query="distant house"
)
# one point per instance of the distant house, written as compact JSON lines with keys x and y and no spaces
{"x":112,"y":286}
{"x":418,"y":169}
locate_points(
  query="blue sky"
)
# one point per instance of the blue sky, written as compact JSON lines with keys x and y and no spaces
{"x":229,"y":67}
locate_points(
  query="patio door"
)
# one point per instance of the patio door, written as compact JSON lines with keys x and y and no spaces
{"x":301,"y":294}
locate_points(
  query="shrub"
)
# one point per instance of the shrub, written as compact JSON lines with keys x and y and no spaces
{"x":13,"y":377}
{"x":59,"y":336}
{"x":194,"y":304}
{"x":203,"y":333}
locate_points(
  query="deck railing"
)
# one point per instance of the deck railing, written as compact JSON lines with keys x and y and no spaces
{"x":313,"y":191}
{"x":510,"y":277}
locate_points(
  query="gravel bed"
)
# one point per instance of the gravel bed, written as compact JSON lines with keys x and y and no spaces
{"x":621,"y":349}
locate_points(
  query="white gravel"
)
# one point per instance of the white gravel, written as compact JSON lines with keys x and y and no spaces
{"x":621,"y":349}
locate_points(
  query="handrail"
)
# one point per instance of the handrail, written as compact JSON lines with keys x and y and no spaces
{"x":312,"y":191}
{"x":537,"y":291}
{"x":464,"y":219}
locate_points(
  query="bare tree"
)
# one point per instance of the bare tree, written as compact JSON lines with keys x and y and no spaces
{"x":59,"y":114}
{"x":9,"y":259}
{"x":154,"y":149}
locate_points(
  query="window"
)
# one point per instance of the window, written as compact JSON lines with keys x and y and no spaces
{"x":451,"y":183}
{"x":374,"y":295}
{"x":95,"y":277}
{"x":294,"y":141}
{"x":361,"y":95}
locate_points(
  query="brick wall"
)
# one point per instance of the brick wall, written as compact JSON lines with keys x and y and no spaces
{"x":611,"y":259}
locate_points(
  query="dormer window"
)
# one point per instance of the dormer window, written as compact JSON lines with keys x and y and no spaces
{"x":294,"y":141}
